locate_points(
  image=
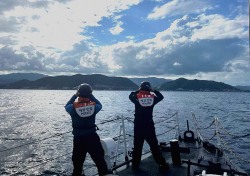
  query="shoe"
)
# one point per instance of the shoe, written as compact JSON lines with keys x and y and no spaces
{"x":164,"y":167}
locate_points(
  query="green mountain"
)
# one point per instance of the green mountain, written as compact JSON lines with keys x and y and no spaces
{"x":13,"y":77}
{"x":102,"y":82}
{"x":97,"y":81}
{"x":244,"y":88}
{"x":183,"y":84}
{"x":155,"y":82}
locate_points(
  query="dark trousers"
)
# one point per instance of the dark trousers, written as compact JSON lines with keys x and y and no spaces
{"x":92,"y":145}
{"x":146,"y":132}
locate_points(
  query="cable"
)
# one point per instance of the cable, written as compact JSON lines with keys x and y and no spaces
{"x":233,"y":135}
{"x":232,"y":152}
{"x":106,"y":121}
{"x":208,"y":125}
{"x":167,"y":131}
{"x":55,"y":135}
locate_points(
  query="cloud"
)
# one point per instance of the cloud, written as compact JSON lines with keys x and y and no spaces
{"x":199,"y":42}
{"x":57,"y":24}
{"x":9,"y":25}
{"x":56,"y":30}
{"x":202,"y":56}
{"x":176,"y":64}
{"x":12,"y":4}
{"x":178,"y":50}
{"x":9,"y":5}
{"x":25,"y":59}
{"x":117,"y":29}
{"x":182,"y":50}
{"x":218,"y":27}
{"x":179,"y":7}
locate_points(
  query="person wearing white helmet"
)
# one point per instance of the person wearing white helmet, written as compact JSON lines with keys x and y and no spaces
{"x":83,"y":112}
{"x":144,"y":129}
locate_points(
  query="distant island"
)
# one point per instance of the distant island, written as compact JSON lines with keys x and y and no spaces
{"x":97,"y":81}
{"x":13,"y":77}
{"x":183,"y":84}
{"x":102,"y":82}
{"x":155,"y":82}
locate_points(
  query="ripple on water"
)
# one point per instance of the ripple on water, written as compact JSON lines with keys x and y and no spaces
{"x":31,"y":120}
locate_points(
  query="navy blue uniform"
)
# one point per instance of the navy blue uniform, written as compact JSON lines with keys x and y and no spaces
{"x":144,"y":125}
{"x":84,"y":130}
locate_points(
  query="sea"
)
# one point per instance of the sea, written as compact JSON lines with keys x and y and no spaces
{"x":35,"y":129}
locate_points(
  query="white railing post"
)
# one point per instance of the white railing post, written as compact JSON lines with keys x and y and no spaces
{"x":200,"y":138}
{"x":124,"y":138}
{"x":118,"y":144}
{"x":178,"y":125}
{"x":195,"y":123}
{"x":217,"y":131}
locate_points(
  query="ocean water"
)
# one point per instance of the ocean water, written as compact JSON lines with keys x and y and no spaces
{"x":35,"y":130}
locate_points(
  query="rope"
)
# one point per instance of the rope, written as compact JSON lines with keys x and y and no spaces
{"x":49,"y":137}
{"x":212,"y":137}
{"x":52,"y":159}
{"x":208,"y":125}
{"x":233,"y":135}
{"x":196,"y":122}
{"x":228,"y":160}
{"x":232,"y":152}
{"x":198,"y":129}
{"x":111,"y":120}
{"x":166,"y":119}
{"x":131,"y":120}
{"x":209,"y":138}
{"x":106,"y":121}
{"x":167,"y":131}
{"x":222,"y":141}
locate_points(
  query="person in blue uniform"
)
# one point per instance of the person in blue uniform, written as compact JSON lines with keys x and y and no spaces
{"x":83,"y":113}
{"x":144,"y":129}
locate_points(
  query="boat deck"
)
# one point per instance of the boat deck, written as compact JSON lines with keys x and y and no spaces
{"x":149,"y":167}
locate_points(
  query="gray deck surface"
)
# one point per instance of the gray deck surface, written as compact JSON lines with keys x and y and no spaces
{"x":149,"y":167}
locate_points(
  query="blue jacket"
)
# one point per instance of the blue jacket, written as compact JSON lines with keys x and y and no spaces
{"x":144,"y":115}
{"x":82,"y":126}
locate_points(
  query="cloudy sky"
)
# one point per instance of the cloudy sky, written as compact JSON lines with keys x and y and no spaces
{"x":195,"y":39}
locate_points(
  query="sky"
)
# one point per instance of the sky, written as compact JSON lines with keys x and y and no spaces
{"x":193,"y":39}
